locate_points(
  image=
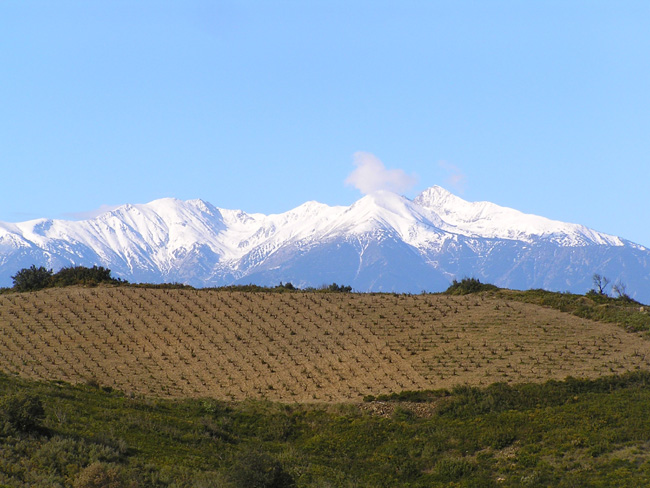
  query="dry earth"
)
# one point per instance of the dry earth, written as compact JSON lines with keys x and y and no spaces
{"x":301,"y":347}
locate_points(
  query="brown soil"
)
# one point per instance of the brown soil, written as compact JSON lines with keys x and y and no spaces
{"x":298,"y":347}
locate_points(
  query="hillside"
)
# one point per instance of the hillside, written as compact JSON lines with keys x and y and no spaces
{"x":564,"y":434}
{"x":298,"y":346}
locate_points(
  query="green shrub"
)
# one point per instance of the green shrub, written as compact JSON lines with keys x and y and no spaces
{"x":402,"y":414}
{"x":81,"y":275}
{"x":451,"y":469}
{"x":63,"y":456}
{"x":256,"y":469}
{"x":23,"y":411}
{"x":285,"y":286}
{"x":101,"y":475}
{"x":467,"y":286}
{"x":32,"y":278}
{"x":499,"y":438}
{"x":339,"y":288}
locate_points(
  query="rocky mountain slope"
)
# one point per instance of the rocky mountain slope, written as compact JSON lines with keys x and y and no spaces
{"x":383,"y":242}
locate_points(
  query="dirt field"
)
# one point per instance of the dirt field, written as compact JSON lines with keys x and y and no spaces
{"x":301,"y":347}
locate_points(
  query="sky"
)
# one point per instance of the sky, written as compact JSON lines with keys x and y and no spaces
{"x":262,"y":106}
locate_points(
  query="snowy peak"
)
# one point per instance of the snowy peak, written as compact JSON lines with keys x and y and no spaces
{"x":488,"y":220}
{"x":435,"y":197}
{"x":166,"y":225}
{"x":388,"y":213}
{"x":166,"y":222}
{"x":381,"y":242}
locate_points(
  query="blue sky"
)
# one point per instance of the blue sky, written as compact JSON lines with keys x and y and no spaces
{"x":539,"y":106}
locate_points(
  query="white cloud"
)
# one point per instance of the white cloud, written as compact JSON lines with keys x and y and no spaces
{"x":371,"y":175}
{"x":91,"y":214}
{"x":455,"y":176}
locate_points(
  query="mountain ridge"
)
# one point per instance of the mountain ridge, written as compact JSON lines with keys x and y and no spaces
{"x":382,"y":242}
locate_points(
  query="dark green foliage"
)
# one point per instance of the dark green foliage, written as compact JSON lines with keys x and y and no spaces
{"x":22,"y":410}
{"x":32,"y":278}
{"x":286,"y":286}
{"x":499,"y":397}
{"x":81,"y":275}
{"x":560,"y":433}
{"x":254,"y":468}
{"x":338,"y":288}
{"x":467,"y":286}
{"x":450,"y":469}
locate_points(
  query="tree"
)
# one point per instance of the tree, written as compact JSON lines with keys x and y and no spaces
{"x":339,"y":288}
{"x":285,"y":286}
{"x":620,"y":290}
{"x":32,"y":278}
{"x":600,"y":283}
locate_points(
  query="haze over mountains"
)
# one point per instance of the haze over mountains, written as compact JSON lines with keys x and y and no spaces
{"x":383,"y":242}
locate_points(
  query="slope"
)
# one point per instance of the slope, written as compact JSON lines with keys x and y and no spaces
{"x":299,"y":347}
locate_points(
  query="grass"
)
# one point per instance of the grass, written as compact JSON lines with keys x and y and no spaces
{"x":569,"y":433}
{"x":627,"y":313}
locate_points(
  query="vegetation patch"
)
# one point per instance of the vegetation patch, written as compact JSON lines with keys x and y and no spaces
{"x":623,"y":311}
{"x":559,"y":433}
{"x":36,"y":278}
{"x":469,"y":285}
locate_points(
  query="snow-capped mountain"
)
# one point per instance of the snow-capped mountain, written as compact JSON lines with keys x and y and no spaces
{"x":383,"y":242}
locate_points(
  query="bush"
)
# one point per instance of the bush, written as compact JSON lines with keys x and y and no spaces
{"x":23,"y":411}
{"x":256,"y":469}
{"x":451,"y":469}
{"x":81,"y":275}
{"x":32,"y":278}
{"x":467,"y":286}
{"x":285,"y":286}
{"x":100,"y":475}
{"x":64,"y":455}
{"x":339,"y":288}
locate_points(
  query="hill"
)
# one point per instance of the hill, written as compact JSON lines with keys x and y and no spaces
{"x":564,"y":434}
{"x":299,"y":346}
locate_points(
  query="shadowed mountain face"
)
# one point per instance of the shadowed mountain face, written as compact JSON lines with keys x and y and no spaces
{"x":383,"y":242}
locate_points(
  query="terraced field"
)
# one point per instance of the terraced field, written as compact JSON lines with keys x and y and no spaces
{"x":297,"y":346}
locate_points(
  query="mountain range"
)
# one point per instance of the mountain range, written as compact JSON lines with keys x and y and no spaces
{"x":382,"y":242}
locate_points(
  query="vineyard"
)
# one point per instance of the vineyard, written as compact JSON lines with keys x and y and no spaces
{"x":298,"y":346}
